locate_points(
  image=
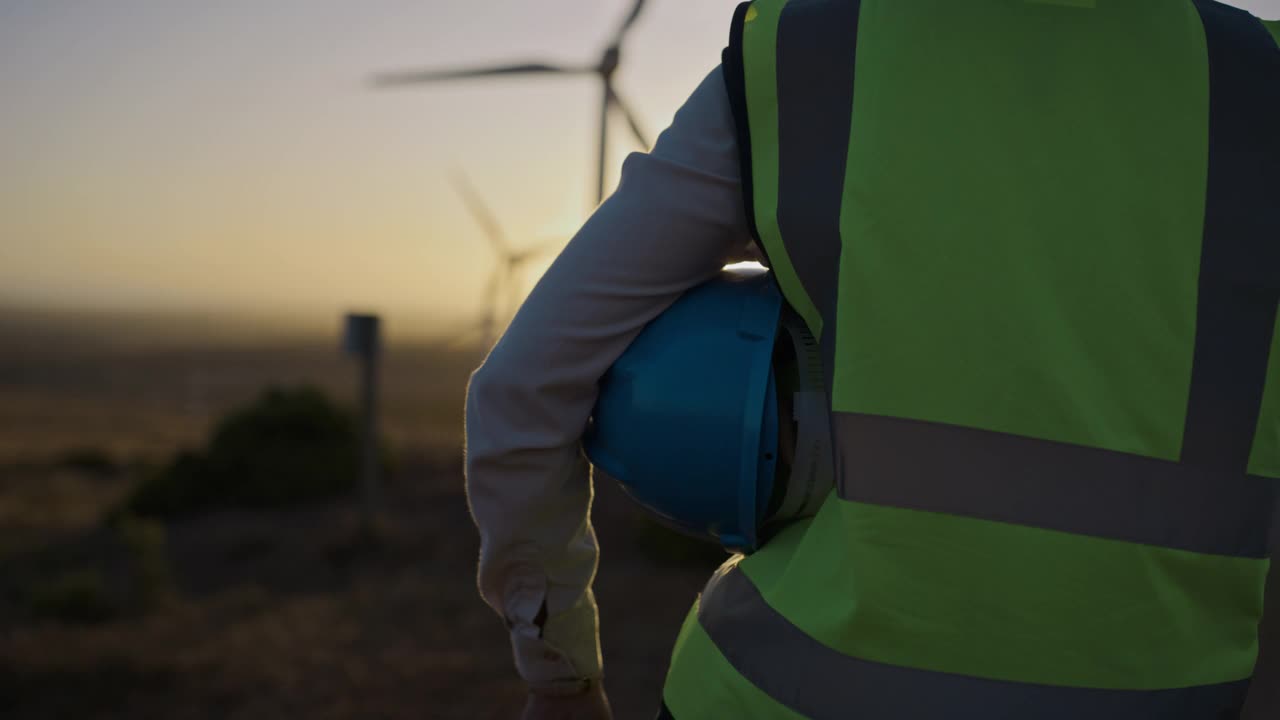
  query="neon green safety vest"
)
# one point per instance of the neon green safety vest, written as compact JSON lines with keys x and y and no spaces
{"x":1039,"y":241}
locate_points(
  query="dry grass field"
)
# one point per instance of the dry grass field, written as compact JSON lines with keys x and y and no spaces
{"x":268,"y":613}
{"x":291,"y":612}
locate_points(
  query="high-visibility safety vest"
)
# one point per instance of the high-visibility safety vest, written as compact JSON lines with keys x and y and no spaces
{"x":1039,"y":241}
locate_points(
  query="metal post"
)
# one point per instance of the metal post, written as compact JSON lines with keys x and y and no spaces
{"x":362,"y":340}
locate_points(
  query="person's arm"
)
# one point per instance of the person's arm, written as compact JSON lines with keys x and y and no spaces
{"x":676,"y":217}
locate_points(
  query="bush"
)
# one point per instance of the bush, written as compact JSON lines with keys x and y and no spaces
{"x":146,"y":542}
{"x":289,"y":446}
{"x":93,"y":461}
{"x":77,"y":596}
{"x":120,"y":569}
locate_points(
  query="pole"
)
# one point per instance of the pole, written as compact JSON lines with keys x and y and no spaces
{"x":369,"y":452}
{"x":362,"y":340}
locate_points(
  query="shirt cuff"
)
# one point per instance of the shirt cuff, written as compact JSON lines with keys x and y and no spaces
{"x":563,"y":655}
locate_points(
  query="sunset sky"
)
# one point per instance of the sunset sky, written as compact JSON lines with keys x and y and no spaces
{"x":183,"y":154}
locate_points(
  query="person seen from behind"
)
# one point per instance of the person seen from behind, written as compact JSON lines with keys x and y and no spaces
{"x":1038,"y":243}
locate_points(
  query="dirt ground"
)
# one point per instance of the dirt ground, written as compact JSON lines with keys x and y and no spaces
{"x":286,"y":613}
{"x":270,"y":614}
{"x":298,"y":614}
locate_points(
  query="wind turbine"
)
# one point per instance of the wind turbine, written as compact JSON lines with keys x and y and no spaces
{"x":604,"y":69}
{"x":504,"y":278}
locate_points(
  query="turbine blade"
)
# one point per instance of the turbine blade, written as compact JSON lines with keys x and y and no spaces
{"x":604,"y":141}
{"x":543,"y":247}
{"x":636,"y":8}
{"x":480,"y":211}
{"x":417,"y":77}
{"x":492,"y":299}
{"x":513,"y":292}
{"x":630,"y":117}
{"x":547,"y":245}
{"x":491,"y":295}
{"x":465,"y":339}
{"x":462,"y":335}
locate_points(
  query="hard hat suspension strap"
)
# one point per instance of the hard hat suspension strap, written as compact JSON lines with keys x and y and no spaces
{"x":812,"y":468}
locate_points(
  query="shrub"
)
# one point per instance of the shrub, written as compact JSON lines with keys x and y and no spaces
{"x":104,"y":573}
{"x":94,"y":461}
{"x":146,"y":542}
{"x":76,"y":596}
{"x":289,"y":446}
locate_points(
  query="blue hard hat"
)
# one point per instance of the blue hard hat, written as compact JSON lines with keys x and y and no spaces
{"x":688,"y":418}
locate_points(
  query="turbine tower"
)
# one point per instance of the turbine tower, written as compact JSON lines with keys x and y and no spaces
{"x":604,"y":69}
{"x":503,"y":281}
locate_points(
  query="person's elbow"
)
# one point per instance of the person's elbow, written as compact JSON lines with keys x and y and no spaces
{"x":488,"y":437}
{"x":485,"y":388}
{"x":516,"y":406}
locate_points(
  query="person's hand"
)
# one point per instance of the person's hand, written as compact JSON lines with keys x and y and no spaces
{"x":590,"y":705}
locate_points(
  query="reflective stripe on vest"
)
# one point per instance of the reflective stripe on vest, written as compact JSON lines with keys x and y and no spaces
{"x":812,"y":679}
{"x":982,"y":554}
{"x":900,"y":588}
{"x":1055,"y":486}
{"x":1240,"y":259}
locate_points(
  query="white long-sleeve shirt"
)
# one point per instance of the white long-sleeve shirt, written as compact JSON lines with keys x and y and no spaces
{"x":676,"y":218}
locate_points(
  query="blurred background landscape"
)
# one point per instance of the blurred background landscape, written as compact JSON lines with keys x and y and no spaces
{"x":192,"y":196}
{"x":128,"y":592}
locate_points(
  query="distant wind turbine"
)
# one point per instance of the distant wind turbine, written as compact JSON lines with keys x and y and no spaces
{"x":504,"y":280}
{"x":604,"y":69}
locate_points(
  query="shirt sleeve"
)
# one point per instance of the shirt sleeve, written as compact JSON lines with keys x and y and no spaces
{"x":675,"y":219}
